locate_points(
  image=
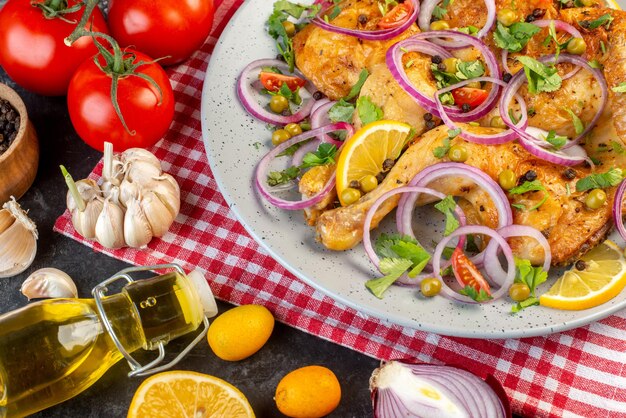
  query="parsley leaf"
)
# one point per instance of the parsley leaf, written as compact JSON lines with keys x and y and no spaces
{"x":557,"y":141}
{"x":398,"y":253}
{"x":621,"y":88}
{"x":515,"y":37}
{"x":579,"y":127}
{"x":341,"y":111}
{"x":478,"y":296}
{"x":442,"y":151}
{"x":531,"y":277}
{"x":292,"y":9}
{"x":611,"y":178}
{"x":440,"y":11}
{"x":324,"y":155}
{"x":541,"y":78}
{"x":605,"y":19}
{"x":368,"y":111}
{"x":529,"y":186}
{"x":469,"y":69}
{"x":356,"y":89}
{"x":447,"y":206}
{"x":284,"y":43}
{"x":288,"y":152}
{"x":274,"y":178}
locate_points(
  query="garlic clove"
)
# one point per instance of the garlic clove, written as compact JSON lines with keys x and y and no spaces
{"x":128,"y":190}
{"x":6,"y":220}
{"x":49,"y":283}
{"x":137,"y":231}
{"x":142,"y":172}
{"x":109,"y":231}
{"x":132,"y":155}
{"x":168,"y":191}
{"x":88,"y":189}
{"x":85,"y":222}
{"x":157,"y":213}
{"x":18,"y":242}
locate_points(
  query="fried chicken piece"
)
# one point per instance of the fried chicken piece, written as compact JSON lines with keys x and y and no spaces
{"x":570,"y":227}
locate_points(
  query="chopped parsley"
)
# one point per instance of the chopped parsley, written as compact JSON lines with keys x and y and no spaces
{"x":386,"y":5}
{"x":469,"y":69}
{"x":275,"y":178}
{"x":440,"y":11}
{"x":324,"y":155}
{"x":541,"y":77}
{"x":529,"y":186}
{"x":621,"y":88}
{"x":604,"y":20}
{"x":478,"y":295}
{"x":368,"y":110}
{"x":356,"y":89}
{"x":398,"y":253}
{"x":557,"y":141}
{"x":531,"y":277}
{"x":579,"y":127}
{"x":611,"y":178}
{"x":515,"y":37}
{"x":343,"y":110}
{"x":442,"y":151}
{"x":447,"y":206}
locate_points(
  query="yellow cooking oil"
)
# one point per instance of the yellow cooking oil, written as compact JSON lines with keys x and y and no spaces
{"x":54,"y":349}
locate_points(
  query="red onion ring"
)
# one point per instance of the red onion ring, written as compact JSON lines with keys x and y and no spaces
{"x":320,"y":118}
{"x":428,"y":7}
{"x":246,"y":93}
{"x":263,"y":166}
{"x":617,"y":209}
{"x":482,"y":180}
{"x":373,"y":35}
{"x":482,"y":230}
{"x":493,"y":268}
{"x":490,"y":139}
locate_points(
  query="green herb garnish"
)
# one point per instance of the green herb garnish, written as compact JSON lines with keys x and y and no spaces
{"x":531,"y":277}
{"x":541,"y":77}
{"x":611,"y":178}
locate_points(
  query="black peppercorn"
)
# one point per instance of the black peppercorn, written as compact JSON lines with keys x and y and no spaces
{"x":428,"y":116}
{"x":387,"y":164}
{"x":362,"y":19}
{"x":580,"y":265}
{"x":430,"y":124}
{"x":9,"y":125}
{"x":530,"y":19}
{"x":530,"y":175}
{"x":380,"y":177}
{"x":466,"y":108}
{"x":318,"y":95}
{"x":506,"y":77}
{"x":569,"y":174}
{"x":355,"y":184}
{"x":539,"y":13}
{"x":436,"y":59}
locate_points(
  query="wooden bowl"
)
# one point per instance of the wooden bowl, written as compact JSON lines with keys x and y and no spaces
{"x":18,"y":164}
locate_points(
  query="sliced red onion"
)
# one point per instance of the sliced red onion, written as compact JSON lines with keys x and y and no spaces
{"x":371,"y":35}
{"x":394,"y":63}
{"x":505,"y":61}
{"x":405,"y":228}
{"x":320,"y":118}
{"x":304,"y":149}
{"x":263,"y":167}
{"x":491,"y":264}
{"x":402,"y":390}
{"x":558,"y":25}
{"x":482,"y":230}
{"x":617,"y":209}
{"x":482,"y":180}
{"x":248,"y":94}
{"x":428,"y":7}
{"x":489,"y":139}
{"x":316,"y":106}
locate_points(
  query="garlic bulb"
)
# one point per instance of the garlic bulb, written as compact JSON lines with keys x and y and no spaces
{"x":49,"y":283}
{"x":133,"y":202}
{"x":18,"y":239}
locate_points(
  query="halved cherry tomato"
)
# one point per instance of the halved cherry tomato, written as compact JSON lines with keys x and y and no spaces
{"x":467,"y":273}
{"x":274,"y":81}
{"x":468,"y":95}
{"x":396,"y":16}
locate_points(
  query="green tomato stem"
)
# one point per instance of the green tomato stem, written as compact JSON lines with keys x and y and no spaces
{"x":71,"y":185}
{"x":55,"y":4}
{"x":80,"y":31}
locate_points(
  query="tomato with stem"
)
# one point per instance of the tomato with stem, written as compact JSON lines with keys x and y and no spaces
{"x":32,"y":51}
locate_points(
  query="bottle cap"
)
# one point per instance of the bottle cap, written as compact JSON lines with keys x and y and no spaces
{"x":204,"y":293}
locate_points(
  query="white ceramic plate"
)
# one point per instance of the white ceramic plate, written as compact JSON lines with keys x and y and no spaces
{"x":230,"y":135}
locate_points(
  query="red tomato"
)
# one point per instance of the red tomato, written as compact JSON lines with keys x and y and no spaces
{"x":32,"y":51}
{"x":94,"y":117}
{"x":396,"y":16}
{"x":466,"y":272}
{"x":273,"y":81}
{"x":468,"y":95}
{"x":173,"y":28}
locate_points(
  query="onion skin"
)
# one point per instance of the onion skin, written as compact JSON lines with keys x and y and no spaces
{"x":440,"y":374}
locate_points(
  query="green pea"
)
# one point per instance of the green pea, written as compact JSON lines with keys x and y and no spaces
{"x":293,"y":129}
{"x":588,"y":3}
{"x":497,"y":122}
{"x":450,"y":64}
{"x":577,"y":46}
{"x":439,"y":25}
{"x":519,"y":292}
{"x":595,"y":199}
{"x":458,"y":153}
{"x":279,"y":103}
{"x":350,"y":196}
{"x":290,"y":28}
{"x":430,"y":287}
{"x":507,"y":179}
{"x":507,"y":17}
{"x":368,"y":183}
{"x":279,"y":136}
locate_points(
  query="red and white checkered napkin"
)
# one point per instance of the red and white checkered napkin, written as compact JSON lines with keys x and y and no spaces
{"x":575,"y":373}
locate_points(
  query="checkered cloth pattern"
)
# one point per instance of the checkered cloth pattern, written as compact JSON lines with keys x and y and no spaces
{"x":579,"y":373}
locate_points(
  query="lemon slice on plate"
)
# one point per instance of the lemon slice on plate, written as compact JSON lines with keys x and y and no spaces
{"x":601,"y":277}
{"x":190,"y":394}
{"x":365,"y":152}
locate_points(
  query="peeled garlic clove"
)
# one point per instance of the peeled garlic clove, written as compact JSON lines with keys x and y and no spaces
{"x":137,"y":231}
{"x":157,"y":213}
{"x":109,"y":231}
{"x":88,"y":189}
{"x":49,"y":283}
{"x":18,"y":242}
{"x":85,"y":222}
